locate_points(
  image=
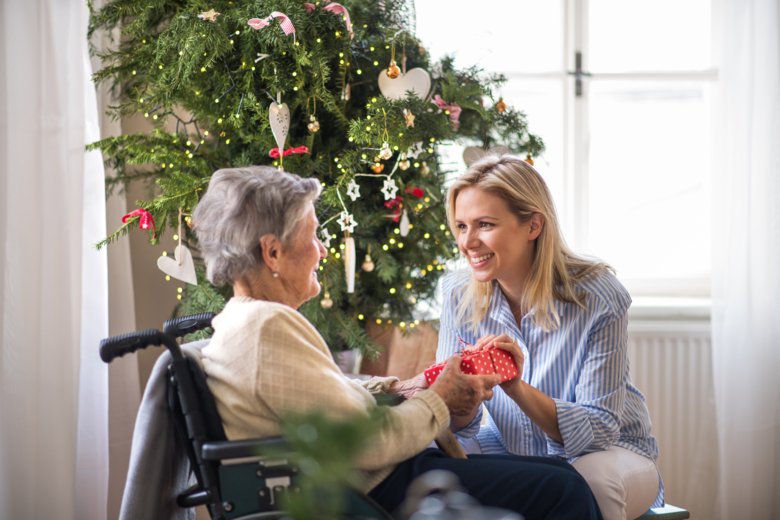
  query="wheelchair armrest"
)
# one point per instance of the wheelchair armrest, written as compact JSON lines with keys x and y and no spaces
{"x":245,"y":448}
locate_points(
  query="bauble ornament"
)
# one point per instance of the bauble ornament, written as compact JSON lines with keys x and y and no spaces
{"x":314,"y":125}
{"x":368,"y":264}
{"x":393,"y":71}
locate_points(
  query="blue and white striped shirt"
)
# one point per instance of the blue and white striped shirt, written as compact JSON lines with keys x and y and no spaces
{"x":583,"y":366}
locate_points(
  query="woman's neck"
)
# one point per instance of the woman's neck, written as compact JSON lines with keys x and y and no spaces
{"x":260,"y":286}
{"x":513,"y":292}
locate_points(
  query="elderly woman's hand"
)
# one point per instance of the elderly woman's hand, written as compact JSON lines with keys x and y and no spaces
{"x":461,"y":392}
{"x":409,"y":387}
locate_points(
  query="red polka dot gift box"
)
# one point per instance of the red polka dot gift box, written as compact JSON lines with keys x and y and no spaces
{"x":491,"y":360}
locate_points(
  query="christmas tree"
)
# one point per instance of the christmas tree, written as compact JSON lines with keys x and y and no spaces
{"x":343,"y":92}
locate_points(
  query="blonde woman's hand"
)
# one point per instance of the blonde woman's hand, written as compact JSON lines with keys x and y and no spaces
{"x":507,"y":343}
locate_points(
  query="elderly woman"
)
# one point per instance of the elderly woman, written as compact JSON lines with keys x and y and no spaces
{"x":257,"y":230}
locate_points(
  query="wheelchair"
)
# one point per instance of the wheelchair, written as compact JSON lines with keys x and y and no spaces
{"x":242,"y":479}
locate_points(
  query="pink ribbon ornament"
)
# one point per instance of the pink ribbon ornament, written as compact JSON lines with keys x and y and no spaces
{"x":284,"y":22}
{"x":274,"y":152}
{"x":334,"y":8}
{"x":145,"y":219}
{"x":453,"y":108}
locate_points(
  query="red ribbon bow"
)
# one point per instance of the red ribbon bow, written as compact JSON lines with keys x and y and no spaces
{"x":396,"y":204}
{"x":284,"y":22}
{"x":145,"y":219}
{"x":453,"y":108}
{"x":337,"y":9}
{"x":274,"y":153}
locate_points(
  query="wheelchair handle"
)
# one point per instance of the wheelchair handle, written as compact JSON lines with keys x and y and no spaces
{"x":182,"y":325}
{"x":117,"y":346}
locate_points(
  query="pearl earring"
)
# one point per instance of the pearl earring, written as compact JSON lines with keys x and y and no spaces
{"x":275,"y":274}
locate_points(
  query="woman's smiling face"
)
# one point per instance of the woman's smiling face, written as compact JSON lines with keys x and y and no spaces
{"x":491,"y":237}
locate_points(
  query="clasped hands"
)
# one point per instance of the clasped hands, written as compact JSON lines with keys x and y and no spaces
{"x":463,"y":393}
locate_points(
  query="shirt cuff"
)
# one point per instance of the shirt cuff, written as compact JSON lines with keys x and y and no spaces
{"x":574,"y":425}
{"x":472,"y":428}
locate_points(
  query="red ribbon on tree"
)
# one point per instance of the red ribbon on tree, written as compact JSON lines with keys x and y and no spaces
{"x":396,"y":204}
{"x":416,"y":191}
{"x":274,"y":153}
{"x":453,"y":108}
{"x":145,"y":219}
{"x":284,"y":22}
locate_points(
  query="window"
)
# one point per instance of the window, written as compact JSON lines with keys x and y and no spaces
{"x":628,"y":159}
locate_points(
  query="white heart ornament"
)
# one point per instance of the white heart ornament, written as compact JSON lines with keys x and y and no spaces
{"x":279,"y":117}
{"x":180,"y":266}
{"x":472,"y":153}
{"x":417,"y":80}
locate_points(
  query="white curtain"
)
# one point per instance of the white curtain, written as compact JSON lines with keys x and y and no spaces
{"x":53,"y":283}
{"x":746,"y":281}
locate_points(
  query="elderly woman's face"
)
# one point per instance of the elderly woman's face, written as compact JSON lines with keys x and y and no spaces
{"x":301,"y":259}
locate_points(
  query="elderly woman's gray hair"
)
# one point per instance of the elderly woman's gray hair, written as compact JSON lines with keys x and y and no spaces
{"x":240,"y":206}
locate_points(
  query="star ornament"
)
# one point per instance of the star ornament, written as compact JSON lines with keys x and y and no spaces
{"x":209,"y":16}
{"x":409,"y":118}
{"x":346,"y":222}
{"x":326,"y":237}
{"x":389,"y":189}
{"x":353,"y":190}
{"x":415,"y":150}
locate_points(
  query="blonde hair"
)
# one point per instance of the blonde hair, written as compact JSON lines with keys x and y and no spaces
{"x":555,"y":270}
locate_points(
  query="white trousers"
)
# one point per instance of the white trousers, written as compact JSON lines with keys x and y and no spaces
{"x":624,"y":483}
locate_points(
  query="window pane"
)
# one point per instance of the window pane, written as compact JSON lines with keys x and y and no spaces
{"x":649,"y":213}
{"x":522,"y":35}
{"x":628,"y":35}
{"x":541,"y":100}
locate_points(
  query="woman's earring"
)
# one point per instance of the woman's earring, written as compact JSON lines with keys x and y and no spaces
{"x":275,"y":274}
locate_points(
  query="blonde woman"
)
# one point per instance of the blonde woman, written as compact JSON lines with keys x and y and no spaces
{"x":565,"y":319}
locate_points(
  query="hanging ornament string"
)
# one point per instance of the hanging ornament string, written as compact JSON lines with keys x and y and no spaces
{"x":178,"y":233}
{"x":284,"y":22}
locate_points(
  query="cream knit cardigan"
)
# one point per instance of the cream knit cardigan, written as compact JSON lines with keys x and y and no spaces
{"x":266,"y":360}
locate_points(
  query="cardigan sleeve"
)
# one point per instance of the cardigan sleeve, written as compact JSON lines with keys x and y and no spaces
{"x":295,"y":373}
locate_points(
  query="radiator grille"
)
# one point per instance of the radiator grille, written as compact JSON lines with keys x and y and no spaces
{"x":672,"y":365}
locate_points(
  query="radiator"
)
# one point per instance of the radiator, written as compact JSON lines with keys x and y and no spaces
{"x":671,"y":363}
